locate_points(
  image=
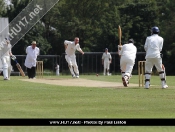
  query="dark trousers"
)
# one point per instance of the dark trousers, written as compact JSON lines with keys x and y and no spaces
{"x":31,"y":72}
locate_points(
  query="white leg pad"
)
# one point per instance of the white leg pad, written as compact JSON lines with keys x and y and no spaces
{"x":147,"y":80}
{"x":163,"y":79}
{"x":9,"y":71}
{"x":5,"y":73}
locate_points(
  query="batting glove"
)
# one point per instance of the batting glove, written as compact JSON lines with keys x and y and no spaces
{"x":13,"y":57}
{"x":119,"y":46}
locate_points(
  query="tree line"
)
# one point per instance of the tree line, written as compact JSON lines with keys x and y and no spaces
{"x":96,"y":24}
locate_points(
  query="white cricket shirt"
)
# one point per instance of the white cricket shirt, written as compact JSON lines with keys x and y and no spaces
{"x":106,"y":57}
{"x":31,"y":57}
{"x":5,"y":50}
{"x":153,"y":46}
{"x":71,"y":47}
{"x":128,"y":51}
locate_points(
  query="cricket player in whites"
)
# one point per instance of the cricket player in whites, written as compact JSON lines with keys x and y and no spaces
{"x":106,"y":61}
{"x":153,"y":46}
{"x":70,"y":48}
{"x":127,"y":54}
{"x":5,"y":58}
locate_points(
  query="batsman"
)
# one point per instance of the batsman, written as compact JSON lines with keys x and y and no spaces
{"x":5,"y":61}
{"x":127,"y":54}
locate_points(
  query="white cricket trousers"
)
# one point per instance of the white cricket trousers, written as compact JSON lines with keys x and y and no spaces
{"x":71,"y":60}
{"x":150,"y":62}
{"x":126,"y":65}
{"x":106,"y":65}
{"x":6,"y":62}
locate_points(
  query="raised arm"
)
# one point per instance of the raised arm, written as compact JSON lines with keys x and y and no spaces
{"x":80,"y":50}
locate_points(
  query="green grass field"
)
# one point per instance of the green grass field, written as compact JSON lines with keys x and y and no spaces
{"x":19,"y":99}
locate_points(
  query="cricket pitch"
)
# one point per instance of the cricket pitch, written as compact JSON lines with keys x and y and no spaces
{"x":79,"y":82}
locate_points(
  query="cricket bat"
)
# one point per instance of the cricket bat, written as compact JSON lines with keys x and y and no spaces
{"x":20,"y":69}
{"x":120,"y":35}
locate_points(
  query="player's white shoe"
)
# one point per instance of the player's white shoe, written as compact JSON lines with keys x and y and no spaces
{"x":125,"y":81}
{"x":73,"y":76}
{"x":6,"y":79}
{"x":77,"y":76}
{"x":164,"y":85}
{"x":147,"y":84}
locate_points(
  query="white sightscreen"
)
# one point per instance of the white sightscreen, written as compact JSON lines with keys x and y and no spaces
{"x":4,"y":29}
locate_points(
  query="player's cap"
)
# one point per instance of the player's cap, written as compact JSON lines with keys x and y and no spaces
{"x":130,"y":41}
{"x":33,"y":42}
{"x":106,"y":48}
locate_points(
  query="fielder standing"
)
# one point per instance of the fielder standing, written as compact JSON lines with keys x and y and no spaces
{"x":31,"y":58}
{"x":127,"y":60}
{"x":153,"y":46}
{"x":57,"y":69}
{"x":106,"y":61}
{"x":70,"y":48}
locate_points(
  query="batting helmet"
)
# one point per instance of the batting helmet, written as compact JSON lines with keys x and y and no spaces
{"x":155,"y":29}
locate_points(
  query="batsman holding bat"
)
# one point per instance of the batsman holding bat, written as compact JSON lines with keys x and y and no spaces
{"x":5,"y":54}
{"x":153,"y":46}
{"x":127,"y":53}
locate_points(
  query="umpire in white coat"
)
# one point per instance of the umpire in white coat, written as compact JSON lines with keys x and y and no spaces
{"x":153,"y":46}
{"x":127,"y":60}
{"x":31,"y":58}
{"x":70,"y":48}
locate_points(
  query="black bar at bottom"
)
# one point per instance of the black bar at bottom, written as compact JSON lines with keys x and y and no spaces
{"x":87,"y":122}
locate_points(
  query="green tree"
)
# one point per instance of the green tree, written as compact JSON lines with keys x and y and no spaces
{"x":167,"y":13}
{"x":137,"y":18}
{"x":3,"y":9}
{"x":37,"y":33}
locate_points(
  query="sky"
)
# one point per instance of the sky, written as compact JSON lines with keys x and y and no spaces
{"x":7,"y":2}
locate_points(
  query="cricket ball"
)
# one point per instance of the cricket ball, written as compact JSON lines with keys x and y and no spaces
{"x":97,"y":75}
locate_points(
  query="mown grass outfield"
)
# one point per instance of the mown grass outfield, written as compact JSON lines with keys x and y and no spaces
{"x":20,"y":99}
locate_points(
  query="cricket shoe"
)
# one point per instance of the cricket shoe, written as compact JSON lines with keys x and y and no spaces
{"x":76,"y":75}
{"x":6,"y":79}
{"x":125,"y":81}
{"x":73,"y":76}
{"x":147,"y":84}
{"x":164,"y":85}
